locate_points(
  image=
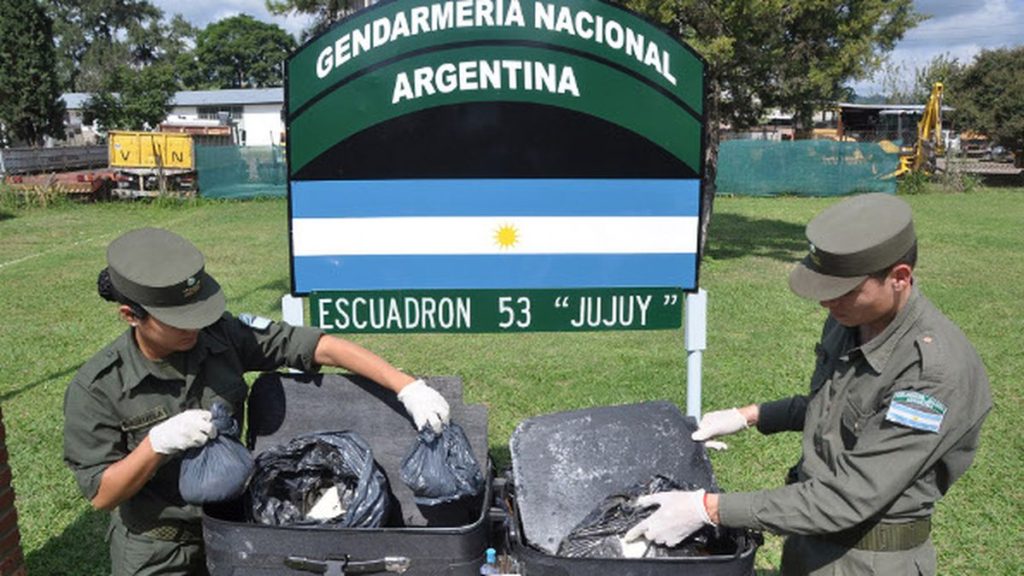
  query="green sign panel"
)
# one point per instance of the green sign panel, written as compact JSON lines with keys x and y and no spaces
{"x":495,"y":166}
{"x":497,"y":310}
{"x":498,"y":74}
{"x":398,"y":60}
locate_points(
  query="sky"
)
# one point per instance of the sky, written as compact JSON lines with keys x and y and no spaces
{"x":957,"y":28}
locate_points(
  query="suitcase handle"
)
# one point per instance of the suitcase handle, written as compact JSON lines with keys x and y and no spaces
{"x":345,"y":566}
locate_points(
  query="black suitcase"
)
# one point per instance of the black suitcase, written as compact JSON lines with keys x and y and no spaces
{"x":419,"y":541}
{"x":564,"y":464}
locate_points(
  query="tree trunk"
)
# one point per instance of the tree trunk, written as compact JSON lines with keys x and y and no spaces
{"x":712,"y":137}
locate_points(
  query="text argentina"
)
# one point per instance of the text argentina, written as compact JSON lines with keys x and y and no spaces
{"x":471,"y":75}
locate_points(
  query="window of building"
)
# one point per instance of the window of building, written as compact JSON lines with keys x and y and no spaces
{"x":213,"y":112}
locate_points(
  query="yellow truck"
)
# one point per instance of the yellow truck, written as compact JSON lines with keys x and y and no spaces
{"x":151,"y":163}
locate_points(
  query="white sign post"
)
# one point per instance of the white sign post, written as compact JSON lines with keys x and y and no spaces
{"x":696,"y":342}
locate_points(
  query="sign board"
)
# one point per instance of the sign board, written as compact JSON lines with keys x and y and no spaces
{"x":497,"y":310}
{"x":490,"y":149}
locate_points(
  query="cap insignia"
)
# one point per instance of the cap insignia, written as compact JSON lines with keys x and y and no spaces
{"x":814,"y":254}
{"x":192,"y":286}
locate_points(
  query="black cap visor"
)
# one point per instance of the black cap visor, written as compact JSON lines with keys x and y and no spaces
{"x":205,"y":309}
{"x":192,"y":304}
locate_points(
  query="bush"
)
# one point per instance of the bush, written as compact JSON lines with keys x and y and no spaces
{"x":956,"y":180}
{"x":14,"y":198}
{"x":913,"y":183}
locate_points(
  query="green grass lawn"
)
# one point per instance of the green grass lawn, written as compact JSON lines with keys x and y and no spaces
{"x":760,"y":346}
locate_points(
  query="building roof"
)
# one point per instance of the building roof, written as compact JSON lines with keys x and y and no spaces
{"x":74,"y":100}
{"x":890,"y":108}
{"x":231,"y":97}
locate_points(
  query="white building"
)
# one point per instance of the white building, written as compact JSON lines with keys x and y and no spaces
{"x":256,"y":114}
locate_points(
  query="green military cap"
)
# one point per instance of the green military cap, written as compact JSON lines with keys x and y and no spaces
{"x":165,"y":274}
{"x":848,"y":241}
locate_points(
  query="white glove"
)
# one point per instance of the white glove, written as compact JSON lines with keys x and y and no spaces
{"x":679,"y":514}
{"x":425,"y":405}
{"x":719,"y":423}
{"x":187,"y":430}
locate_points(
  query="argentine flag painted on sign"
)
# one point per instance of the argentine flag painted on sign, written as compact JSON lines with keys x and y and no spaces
{"x":494,"y":234}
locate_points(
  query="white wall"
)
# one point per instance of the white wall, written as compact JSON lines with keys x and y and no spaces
{"x":262,"y":124}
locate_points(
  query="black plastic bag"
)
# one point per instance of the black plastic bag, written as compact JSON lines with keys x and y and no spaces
{"x":441,"y":467}
{"x":291,"y":479}
{"x":218,"y":470}
{"x":599,"y":534}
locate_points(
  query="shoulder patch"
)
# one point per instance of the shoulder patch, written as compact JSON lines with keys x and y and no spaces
{"x":255,"y":322}
{"x":916,"y":410}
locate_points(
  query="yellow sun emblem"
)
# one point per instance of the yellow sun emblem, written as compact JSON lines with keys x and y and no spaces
{"x":506,"y":236}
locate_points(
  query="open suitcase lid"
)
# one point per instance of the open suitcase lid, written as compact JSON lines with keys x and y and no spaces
{"x":565,"y":464}
{"x":286,"y":406}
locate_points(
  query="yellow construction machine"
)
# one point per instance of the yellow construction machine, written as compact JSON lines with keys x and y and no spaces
{"x":922,"y":156}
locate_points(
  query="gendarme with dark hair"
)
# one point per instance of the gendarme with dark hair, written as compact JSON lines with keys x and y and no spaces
{"x":142,"y":401}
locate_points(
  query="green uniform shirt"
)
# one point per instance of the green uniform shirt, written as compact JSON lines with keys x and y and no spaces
{"x":862,"y":458}
{"x":119,"y":395}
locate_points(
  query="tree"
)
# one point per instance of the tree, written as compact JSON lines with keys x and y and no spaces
{"x":791,"y":54}
{"x":132,"y":99}
{"x":84,"y":26}
{"x":30,"y":106}
{"x":325,"y":12}
{"x":240,"y":52}
{"x":900,"y":86}
{"x":989,"y":96}
{"x":156,"y":41}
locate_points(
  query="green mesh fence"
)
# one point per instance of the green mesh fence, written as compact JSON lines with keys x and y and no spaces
{"x":745,"y":167}
{"x":241,"y":172}
{"x":803,"y":168}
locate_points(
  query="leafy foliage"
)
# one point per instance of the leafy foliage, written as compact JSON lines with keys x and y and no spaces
{"x":325,"y":12}
{"x":790,"y":54}
{"x":240,"y":52}
{"x":989,"y":96}
{"x":90,"y":38}
{"x":132,"y":100}
{"x":30,"y":106}
{"x":902,"y":86}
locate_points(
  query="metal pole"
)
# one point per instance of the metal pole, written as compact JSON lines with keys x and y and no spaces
{"x":696,"y":342}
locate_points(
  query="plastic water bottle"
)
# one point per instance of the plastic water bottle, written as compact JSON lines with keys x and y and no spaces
{"x":491,"y":565}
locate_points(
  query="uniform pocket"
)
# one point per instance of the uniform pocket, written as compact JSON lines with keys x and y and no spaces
{"x":851,"y":422}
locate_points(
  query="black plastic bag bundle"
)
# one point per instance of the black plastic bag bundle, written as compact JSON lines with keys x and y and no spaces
{"x":290,"y":479}
{"x":218,"y":470}
{"x":441,"y":467}
{"x":599,"y":534}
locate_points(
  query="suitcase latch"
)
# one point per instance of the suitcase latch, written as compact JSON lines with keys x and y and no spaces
{"x":345,"y":566}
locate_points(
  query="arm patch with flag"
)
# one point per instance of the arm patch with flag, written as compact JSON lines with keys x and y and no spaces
{"x":916,"y":410}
